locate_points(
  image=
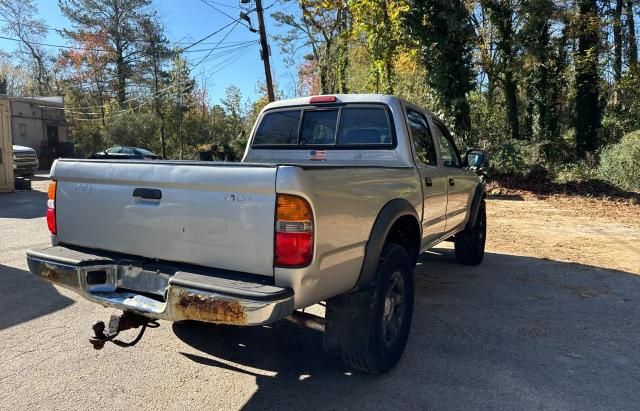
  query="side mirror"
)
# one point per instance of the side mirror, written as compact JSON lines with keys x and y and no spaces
{"x":475,"y":158}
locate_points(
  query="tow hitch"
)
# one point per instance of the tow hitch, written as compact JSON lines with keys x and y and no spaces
{"x":118,"y":323}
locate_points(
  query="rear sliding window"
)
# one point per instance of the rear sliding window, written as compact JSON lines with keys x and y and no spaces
{"x":343,"y":126}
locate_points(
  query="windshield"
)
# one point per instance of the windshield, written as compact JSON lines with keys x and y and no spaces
{"x":331,"y":127}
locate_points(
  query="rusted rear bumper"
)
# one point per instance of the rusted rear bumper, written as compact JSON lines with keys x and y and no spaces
{"x":167,"y":295}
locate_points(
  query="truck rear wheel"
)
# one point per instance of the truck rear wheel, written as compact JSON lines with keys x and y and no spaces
{"x":392,"y":310}
{"x":470,"y":243}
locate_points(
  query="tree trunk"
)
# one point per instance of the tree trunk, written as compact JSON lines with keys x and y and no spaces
{"x":121,"y":75}
{"x":617,"y":44}
{"x":587,"y":87}
{"x":511,"y":99}
{"x":156,"y":101}
{"x":632,"y":39}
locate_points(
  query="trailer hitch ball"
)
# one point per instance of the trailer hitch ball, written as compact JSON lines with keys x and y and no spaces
{"x":99,"y":337}
{"x":119,"y":323}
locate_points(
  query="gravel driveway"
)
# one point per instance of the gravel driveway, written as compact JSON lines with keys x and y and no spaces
{"x":526,"y":329}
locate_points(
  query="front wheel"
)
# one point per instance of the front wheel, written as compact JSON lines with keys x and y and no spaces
{"x":470,"y":243}
{"x":392,"y":311}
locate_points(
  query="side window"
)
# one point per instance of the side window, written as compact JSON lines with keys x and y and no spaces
{"x":368,"y":125}
{"x":127,"y":150}
{"x":114,"y":150}
{"x":448,"y":152}
{"x":421,"y":136}
{"x":278,"y":127}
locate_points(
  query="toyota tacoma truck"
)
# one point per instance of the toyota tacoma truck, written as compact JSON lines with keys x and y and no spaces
{"x":333,"y":202}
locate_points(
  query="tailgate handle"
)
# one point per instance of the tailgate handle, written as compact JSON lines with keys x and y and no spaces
{"x":148,"y":193}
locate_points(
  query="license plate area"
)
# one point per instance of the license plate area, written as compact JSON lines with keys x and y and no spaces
{"x":145,"y":280}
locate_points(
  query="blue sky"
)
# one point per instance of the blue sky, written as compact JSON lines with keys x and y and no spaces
{"x":190,"y":20}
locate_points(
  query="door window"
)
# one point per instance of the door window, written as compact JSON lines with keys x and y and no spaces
{"x":422,"y":140}
{"x":448,"y":152}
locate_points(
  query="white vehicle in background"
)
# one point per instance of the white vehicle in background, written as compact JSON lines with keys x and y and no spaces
{"x":334,"y":200}
{"x":25,"y":161}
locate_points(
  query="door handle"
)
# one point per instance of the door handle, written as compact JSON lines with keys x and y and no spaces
{"x":148,"y":193}
{"x":428,"y":182}
{"x":452,"y":182}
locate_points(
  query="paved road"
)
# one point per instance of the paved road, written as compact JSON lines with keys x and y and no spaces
{"x":515,"y":332}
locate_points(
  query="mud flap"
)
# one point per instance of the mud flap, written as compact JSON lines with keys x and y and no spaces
{"x":347,"y":323}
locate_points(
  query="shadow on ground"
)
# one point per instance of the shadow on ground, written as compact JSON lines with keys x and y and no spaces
{"x":514,"y":332}
{"x":23,"y":204}
{"x":24,"y":297}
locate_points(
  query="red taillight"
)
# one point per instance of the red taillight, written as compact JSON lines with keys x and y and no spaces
{"x":322,"y":99}
{"x":51,"y":220}
{"x":294,"y":232}
{"x":51,"y":207}
{"x":293,"y":249}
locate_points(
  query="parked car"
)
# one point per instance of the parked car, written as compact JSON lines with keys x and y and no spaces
{"x":334,"y":200}
{"x":129,"y":153}
{"x":25,"y":161}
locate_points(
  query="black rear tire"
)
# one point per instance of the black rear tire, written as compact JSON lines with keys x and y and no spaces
{"x":470,"y":243}
{"x":392,"y":311}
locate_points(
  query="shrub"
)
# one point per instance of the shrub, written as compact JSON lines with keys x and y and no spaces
{"x":578,"y":171}
{"x":620,"y":163}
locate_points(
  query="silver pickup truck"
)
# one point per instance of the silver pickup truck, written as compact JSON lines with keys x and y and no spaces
{"x":333,"y":202}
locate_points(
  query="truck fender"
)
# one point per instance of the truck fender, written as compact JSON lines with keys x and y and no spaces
{"x":389,"y":214}
{"x":478,"y":196}
{"x":348,"y":315}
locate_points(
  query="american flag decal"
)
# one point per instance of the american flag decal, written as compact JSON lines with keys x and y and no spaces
{"x":318,"y":155}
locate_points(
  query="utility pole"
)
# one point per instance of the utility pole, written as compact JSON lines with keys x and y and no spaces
{"x":265,"y":51}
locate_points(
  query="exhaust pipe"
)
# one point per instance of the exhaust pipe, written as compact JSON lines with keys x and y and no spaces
{"x":307,"y":320}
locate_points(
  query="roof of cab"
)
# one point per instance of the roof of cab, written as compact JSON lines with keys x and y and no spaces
{"x":340,"y":98}
{"x":345,"y":98}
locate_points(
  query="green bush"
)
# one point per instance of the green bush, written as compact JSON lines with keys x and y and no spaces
{"x":620,"y":163}
{"x":577,"y":171}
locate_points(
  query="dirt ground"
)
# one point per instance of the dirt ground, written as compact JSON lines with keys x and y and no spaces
{"x":549,"y":320}
{"x":601,"y":233}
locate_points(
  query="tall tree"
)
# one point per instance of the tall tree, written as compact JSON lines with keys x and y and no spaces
{"x":320,"y":26}
{"x":87,"y":69}
{"x":588,"y":113}
{"x":380,"y":22}
{"x":445,"y":34}
{"x":538,"y":62}
{"x":120,"y":21}
{"x":157,"y":52}
{"x":21,"y":21}
{"x":503,"y":15}
{"x":181,"y":85}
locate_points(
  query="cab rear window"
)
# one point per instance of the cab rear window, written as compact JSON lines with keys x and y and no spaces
{"x":335,"y":126}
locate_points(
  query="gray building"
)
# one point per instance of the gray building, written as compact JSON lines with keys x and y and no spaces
{"x":39,"y":123}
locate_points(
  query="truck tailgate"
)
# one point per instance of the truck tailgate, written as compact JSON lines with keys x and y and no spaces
{"x":215,"y":215}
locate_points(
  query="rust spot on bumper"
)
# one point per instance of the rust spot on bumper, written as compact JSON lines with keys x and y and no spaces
{"x":210,"y":309}
{"x":59,"y":276}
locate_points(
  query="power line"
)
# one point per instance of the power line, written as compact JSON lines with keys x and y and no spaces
{"x":229,"y":52}
{"x":214,"y":47}
{"x":224,"y":5}
{"x":208,"y":3}
{"x":231,"y":45}
{"x":208,"y":36}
